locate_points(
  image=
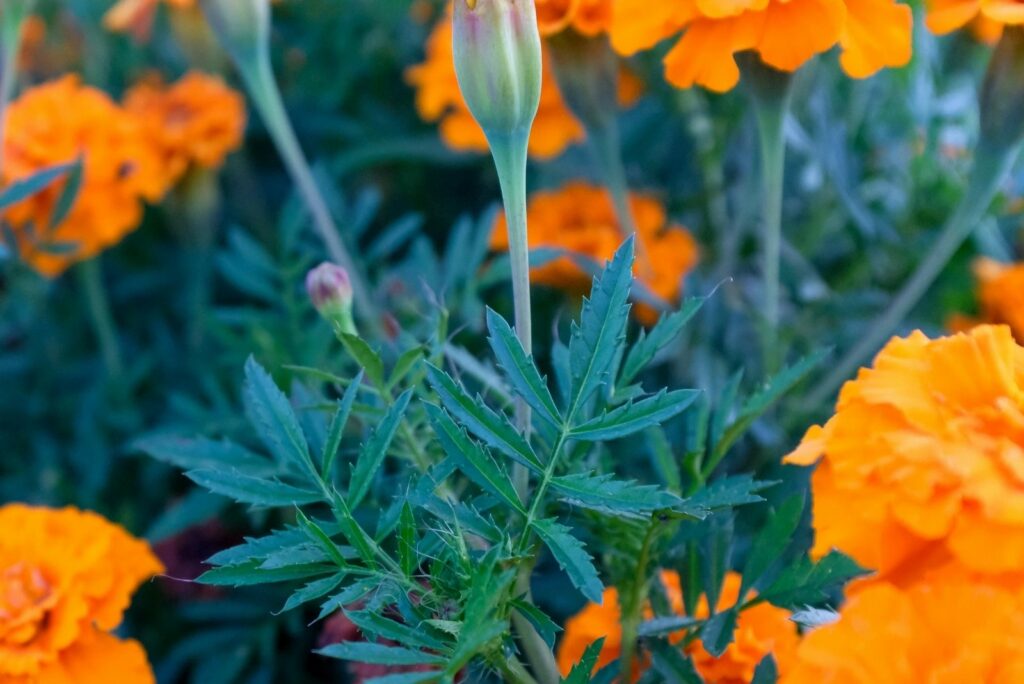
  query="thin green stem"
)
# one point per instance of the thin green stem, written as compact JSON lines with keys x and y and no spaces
{"x":606,"y":145}
{"x":91,"y":278}
{"x":537,"y":652}
{"x":260,"y":80}
{"x":512,"y":670}
{"x":771,"y":92}
{"x":992,"y":164}
{"x":510,"y":156}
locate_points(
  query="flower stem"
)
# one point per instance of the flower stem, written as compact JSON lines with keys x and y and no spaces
{"x":632,"y":605}
{"x":262,"y":86}
{"x":771,"y":91}
{"x":91,"y":278}
{"x":992,"y":164}
{"x":537,"y":652}
{"x":510,"y":155}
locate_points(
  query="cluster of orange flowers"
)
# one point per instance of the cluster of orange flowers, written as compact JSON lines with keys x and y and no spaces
{"x":66,"y":578}
{"x":920,"y":476}
{"x":438,"y":97}
{"x":761,"y":630}
{"x":130,"y":154}
{"x":581,"y":219}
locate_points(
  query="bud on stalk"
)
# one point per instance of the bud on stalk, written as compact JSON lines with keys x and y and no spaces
{"x":330,"y":290}
{"x":498,"y":63}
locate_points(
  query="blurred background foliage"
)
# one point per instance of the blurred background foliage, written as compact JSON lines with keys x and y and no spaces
{"x":872,"y":173}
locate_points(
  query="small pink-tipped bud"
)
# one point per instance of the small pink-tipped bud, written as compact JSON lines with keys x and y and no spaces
{"x":330,"y":290}
{"x":498,"y":63}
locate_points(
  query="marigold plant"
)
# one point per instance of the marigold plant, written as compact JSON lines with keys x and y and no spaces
{"x":66,"y":578}
{"x":60,"y":122}
{"x":580,"y":218}
{"x":920,"y":467}
{"x":761,"y":631}
{"x":873,"y":34}
{"x":197,"y":121}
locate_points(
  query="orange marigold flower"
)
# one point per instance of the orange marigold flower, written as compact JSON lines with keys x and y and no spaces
{"x":66,"y":578}
{"x":589,"y":17}
{"x":922,"y":465}
{"x":873,"y":34}
{"x":57,"y":123}
{"x":760,"y":630}
{"x":987,"y":17}
{"x":1001,"y":294}
{"x":943,"y":632}
{"x":438,"y":98}
{"x":197,"y":121}
{"x":580,"y":218}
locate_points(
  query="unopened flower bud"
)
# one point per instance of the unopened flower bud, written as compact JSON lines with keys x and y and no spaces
{"x":498,"y":63}
{"x":330,"y":290}
{"x":242,"y":27}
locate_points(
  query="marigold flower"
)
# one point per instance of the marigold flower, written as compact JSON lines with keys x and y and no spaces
{"x":944,"y":632}
{"x":922,"y":465}
{"x":66,"y":577}
{"x":580,"y":218}
{"x":197,"y":121}
{"x":873,"y":34}
{"x":760,"y":630}
{"x":57,"y":123}
{"x":986,"y":17}
{"x":589,"y":17}
{"x":1000,"y":295}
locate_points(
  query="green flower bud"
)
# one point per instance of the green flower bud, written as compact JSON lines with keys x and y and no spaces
{"x":330,"y":289}
{"x":498,"y":63}
{"x":242,"y":27}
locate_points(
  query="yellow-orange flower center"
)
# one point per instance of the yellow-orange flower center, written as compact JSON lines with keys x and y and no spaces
{"x":26,"y":597}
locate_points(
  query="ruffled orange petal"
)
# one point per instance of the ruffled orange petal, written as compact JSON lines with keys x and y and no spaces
{"x":878,"y":34}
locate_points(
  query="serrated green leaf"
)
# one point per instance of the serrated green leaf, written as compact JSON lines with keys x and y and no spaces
{"x":597,"y":340}
{"x":313,"y":591}
{"x":663,"y":627}
{"x":665,"y":331}
{"x":252,"y":490}
{"x":664,"y":460}
{"x":352,"y":531}
{"x":772,"y":542}
{"x":260,"y":548}
{"x":766,"y":672}
{"x":338,"y":423}
{"x":481,"y":625}
{"x":718,"y":632}
{"x":201,"y":453}
{"x":806,"y":583}
{"x":321,"y":539}
{"x":520,"y":369}
{"x":374,"y":624}
{"x":274,"y":418}
{"x":728,"y":492}
{"x":674,"y":667}
{"x":774,"y":390}
{"x":249,"y":574}
{"x":404,"y":365}
{"x":28,"y":187}
{"x":371,"y":456}
{"x":635,"y":416}
{"x":407,"y":558}
{"x":605,"y":494}
{"x":379,"y":654}
{"x":572,"y":557}
{"x":581,"y":671}
{"x":493,"y":428}
{"x":366,"y":357}
{"x":68,"y":194}
{"x":405,"y":678}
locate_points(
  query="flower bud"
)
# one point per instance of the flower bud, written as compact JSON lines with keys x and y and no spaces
{"x":498,"y":63}
{"x":330,"y":290}
{"x":242,"y":27}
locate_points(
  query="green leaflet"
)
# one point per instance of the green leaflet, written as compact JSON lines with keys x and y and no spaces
{"x":607,"y":495}
{"x":371,"y":456}
{"x":572,"y":556}
{"x":635,"y":416}
{"x":665,"y":331}
{"x":338,"y":423}
{"x":379,"y":654}
{"x":473,"y":460}
{"x":599,"y":337}
{"x":493,"y":428}
{"x":252,"y":490}
{"x":274,"y":419}
{"x":519,"y":368}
